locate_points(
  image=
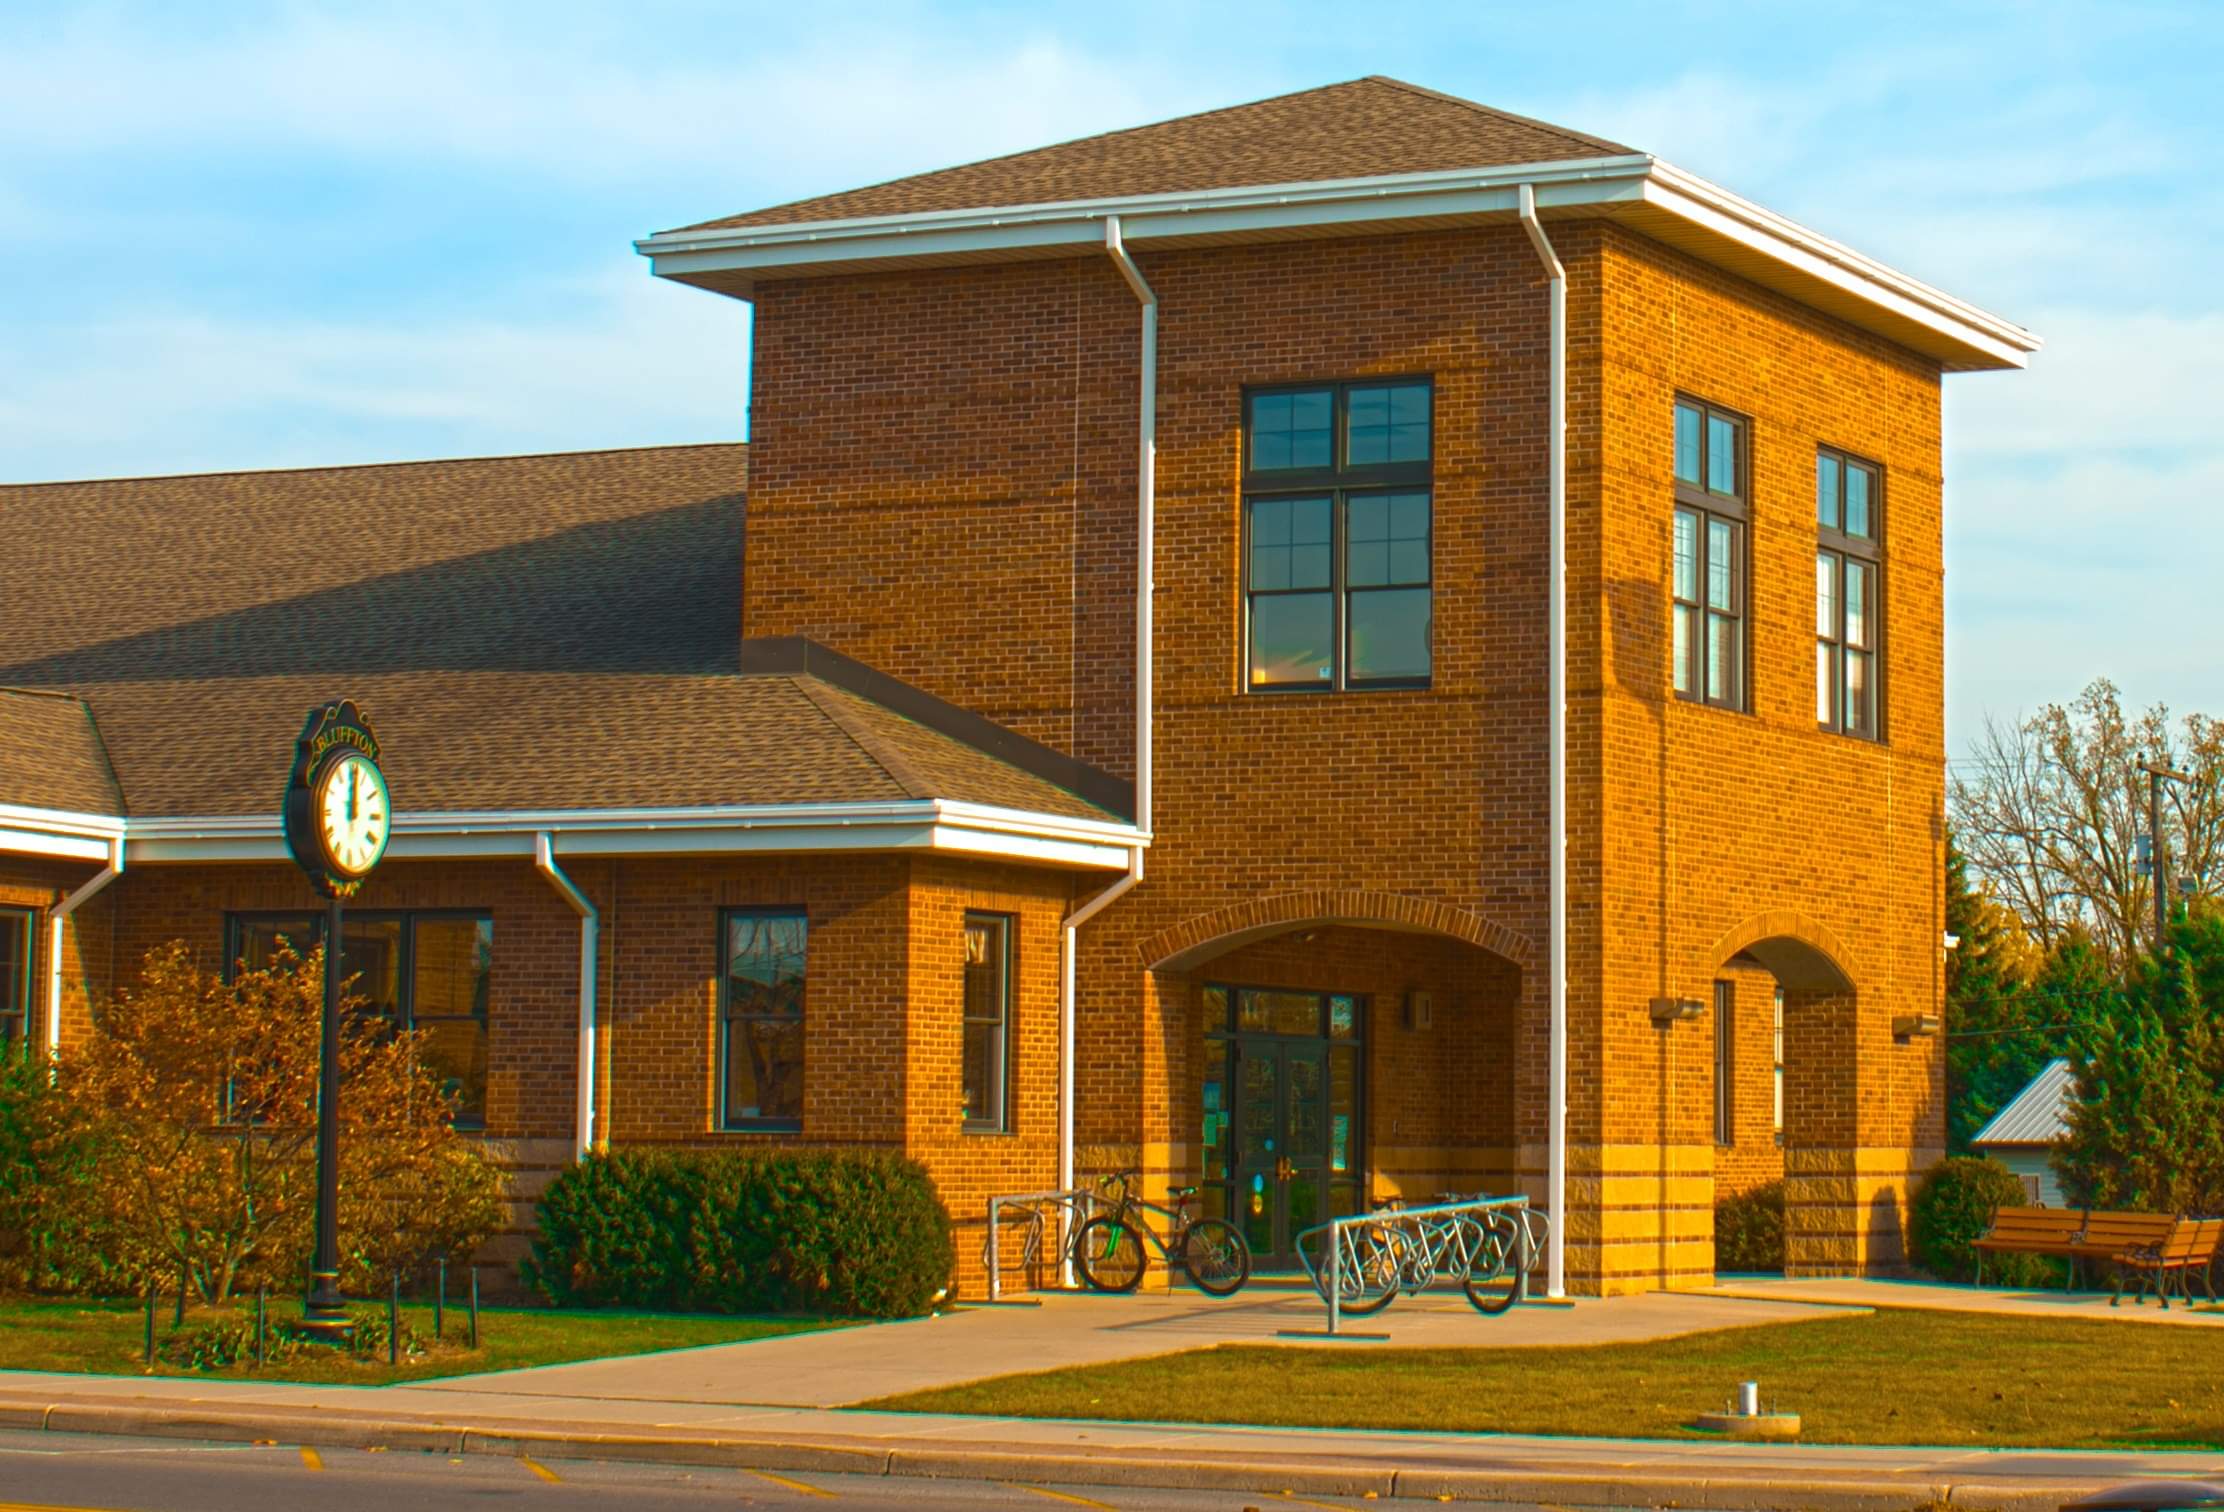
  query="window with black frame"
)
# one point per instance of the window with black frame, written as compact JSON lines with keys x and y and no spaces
{"x":1338,"y":571}
{"x":760,"y":1019}
{"x":16,"y":935}
{"x":985,"y":1060}
{"x":1849,"y":585}
{"x":430,"y":971}
{"x":1707,"y":627}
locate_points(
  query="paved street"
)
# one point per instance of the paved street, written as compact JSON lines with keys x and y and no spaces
{"x":43,"y":1472}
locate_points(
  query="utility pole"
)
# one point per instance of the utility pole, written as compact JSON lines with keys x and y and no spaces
{"x":2157,"y":863}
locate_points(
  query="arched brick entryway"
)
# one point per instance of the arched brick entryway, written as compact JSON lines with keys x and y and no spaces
{"x":1203,"y":935}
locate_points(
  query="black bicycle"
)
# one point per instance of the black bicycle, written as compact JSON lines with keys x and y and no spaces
{"x":1110,"y":1251}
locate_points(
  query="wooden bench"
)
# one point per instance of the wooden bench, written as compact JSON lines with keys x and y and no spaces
{"x":2187,"y":1250}
{"x":2030,"y":1231}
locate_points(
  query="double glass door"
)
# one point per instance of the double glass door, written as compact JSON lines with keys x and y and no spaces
{"x":1281,"y":1117}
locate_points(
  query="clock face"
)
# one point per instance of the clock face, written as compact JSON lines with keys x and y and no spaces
{"x":353,"y":815}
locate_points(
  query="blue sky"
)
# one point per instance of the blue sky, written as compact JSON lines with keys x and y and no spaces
{"x":261,"y":236}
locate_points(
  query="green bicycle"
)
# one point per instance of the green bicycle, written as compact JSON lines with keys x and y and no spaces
{"x":1109,"y":1251}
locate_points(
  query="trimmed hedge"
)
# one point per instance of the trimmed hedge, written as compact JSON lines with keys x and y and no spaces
{"x":1749,"y":1230}
{"x":840,"y":1233}
{"x":1953,"y":1206}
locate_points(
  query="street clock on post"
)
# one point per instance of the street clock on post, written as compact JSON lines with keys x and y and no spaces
{"x":337,"y":817}
{"x":338,"y":813}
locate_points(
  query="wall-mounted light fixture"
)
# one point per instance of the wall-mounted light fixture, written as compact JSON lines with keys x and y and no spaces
{"x":1668,"y":1010}
{"x":1420,"y":1010}
{"x":1910,"y":1026}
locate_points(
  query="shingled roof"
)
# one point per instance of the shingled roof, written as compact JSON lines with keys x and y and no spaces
{"x":546,"y":633}
{"x":1356,"y":129}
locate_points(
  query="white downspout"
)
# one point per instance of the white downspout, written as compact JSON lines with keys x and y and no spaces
{"x":57,"y":920}
{"x":590,"y":930}
{"x":1556,"y":700}
{"x":1146,"y":531}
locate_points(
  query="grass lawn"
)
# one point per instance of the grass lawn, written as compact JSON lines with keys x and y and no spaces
{"x":108,"y":1338}
{"x":1894,"y":1377}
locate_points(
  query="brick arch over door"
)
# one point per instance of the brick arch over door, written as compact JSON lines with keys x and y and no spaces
{"x":1802,"y":953}
{"x":1204,"y":935}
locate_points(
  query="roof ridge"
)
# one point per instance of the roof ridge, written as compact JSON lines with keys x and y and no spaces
{"x":266,"y":472}
{"x":1583,"y":137}
{"x":1094,"y":136}
{"x":900,"y":771}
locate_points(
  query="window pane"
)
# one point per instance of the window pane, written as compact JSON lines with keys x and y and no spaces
{"x":1720,"y":560}
{"x":1292,"y":636}
{"x":455,"y":1051}
{"x":1289,"y":543}
{"x":1687,"y":444}
{"x":1290,"y":430}
{"x":1343,"y":1104}
{"x":1387,"y":424}
{"x":987,"y":1014}
{"x":1826,"y":681}
{"x":371,"y":954}
{"x":1685,"y":615}
{"x":1216,"y":1010}
{"x":1721,"y":455}
{"x":1214,"y":1134}
{"x":15,"y":978}
{"x":764,"y":963}
{"x":1857,"y":501}
{"x":764,"y":1069}
{"x":1390,"y":633}
{"x":1687,"y":556}
{"x":1826,"y":492}
{"x":1279,"y":1012}
{"x":1388,"y":539}
{"x":259,"y":939}
{"x":1721,"y":658}
{"x":1857,"y":603}
{"x":1860,"y":695}
{"x":1343,"y":1017}
{"x":451,"y":977}
{"x":1826,"y":595}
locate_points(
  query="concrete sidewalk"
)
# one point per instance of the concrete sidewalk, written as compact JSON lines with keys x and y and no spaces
{"x":1484,"y":1467}
{"x":2029,"y":1302}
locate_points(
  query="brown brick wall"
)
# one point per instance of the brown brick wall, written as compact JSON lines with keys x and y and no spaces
{"x":943,"y":485}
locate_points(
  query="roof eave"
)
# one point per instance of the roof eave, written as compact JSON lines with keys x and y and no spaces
{"x":1637,"y":189}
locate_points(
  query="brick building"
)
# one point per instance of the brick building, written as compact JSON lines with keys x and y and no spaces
{"x":917,"y":824}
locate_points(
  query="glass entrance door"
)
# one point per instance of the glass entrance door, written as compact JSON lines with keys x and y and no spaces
{"x":1281,"y":1113}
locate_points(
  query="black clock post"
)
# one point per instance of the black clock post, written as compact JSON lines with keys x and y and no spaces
{"x":335,"y":742}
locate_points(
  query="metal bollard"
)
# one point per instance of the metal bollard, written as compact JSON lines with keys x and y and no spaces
{"x":474,"y":1307}
{"x":440,"y":1301}
{"x":394,"y":1319}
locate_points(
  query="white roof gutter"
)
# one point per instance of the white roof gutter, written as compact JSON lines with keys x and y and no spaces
{"x":1638,"y":189}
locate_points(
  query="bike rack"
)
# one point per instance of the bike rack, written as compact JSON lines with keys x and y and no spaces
{"x":1335,"y":1228}
{"x":1074,"y":1205}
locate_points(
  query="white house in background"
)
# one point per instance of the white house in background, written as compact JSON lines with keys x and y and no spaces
{"x":2022,"y":1136}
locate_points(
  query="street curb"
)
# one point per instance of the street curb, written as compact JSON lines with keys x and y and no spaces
{"x":1762,"y":1491}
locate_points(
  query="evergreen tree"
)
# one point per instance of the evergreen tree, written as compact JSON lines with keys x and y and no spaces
{"x":1995,"y":1043}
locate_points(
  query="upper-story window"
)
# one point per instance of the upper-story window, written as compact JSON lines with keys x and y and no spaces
{"x":1849,"y":586}
{"x":1708,"y":630}
{"x":1336,"y":540}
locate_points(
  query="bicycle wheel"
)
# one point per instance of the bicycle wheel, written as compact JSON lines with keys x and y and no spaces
{"x":1493,"y":1278}
{"x":1109,"y":1254}
{"x":1216,"y":1257}
{"x":1368,"y":1270}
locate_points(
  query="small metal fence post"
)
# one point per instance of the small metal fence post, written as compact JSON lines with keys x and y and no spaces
{"x":177,"y":1318}
{"x":152,"y":1289}
{"x":995,"y":1278}
{"x":440,"y":1300}
{"x":394,"y":1319}
{"x":474,"y":1307}
{"x":261,"y":1297}
{"x":1335,"y":1283}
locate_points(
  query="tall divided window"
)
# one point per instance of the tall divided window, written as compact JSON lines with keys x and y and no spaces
{"x":1725,"y":1063}
{"x":760,"y":1018}
{"x":1337,"y":525}
{"x":1776,"y":1056}
{"x":1849,"y":592}
{"x":15,"y":980}
{"x":430,"y":971}
{"x":1707,"y":630}
{"x":985,"y":1068}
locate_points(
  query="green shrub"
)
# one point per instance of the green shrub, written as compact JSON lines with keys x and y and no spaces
{"x":1749,"y":1230}
{"x":1953,"y":1206}
{"x":842,"y":1233}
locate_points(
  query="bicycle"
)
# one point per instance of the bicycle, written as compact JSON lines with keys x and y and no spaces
{"x":1109,"y":1249}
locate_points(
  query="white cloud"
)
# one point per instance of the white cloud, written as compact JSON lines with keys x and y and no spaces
{"x":615,"y":360}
